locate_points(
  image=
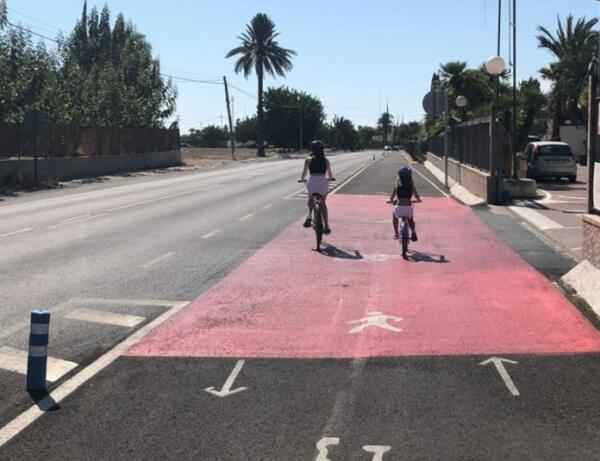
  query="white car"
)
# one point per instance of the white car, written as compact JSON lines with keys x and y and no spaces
{"x":550,"y":159}
{"x":387,"y":147}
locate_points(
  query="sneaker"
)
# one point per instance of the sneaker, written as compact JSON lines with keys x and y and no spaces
{"x":307,"y":223}
{"x":327,"y":231}
{"x":414,"y":237}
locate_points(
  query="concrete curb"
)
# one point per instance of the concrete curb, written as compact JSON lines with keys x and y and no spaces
{"x":584,"y":279}
{"x":458,"y":191}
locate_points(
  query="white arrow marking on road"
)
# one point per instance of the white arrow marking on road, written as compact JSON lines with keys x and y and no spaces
{"x":322,"y":445}
{"x":497,"y":361}
{"x":226,"y":389}
{"x":378,"y":450}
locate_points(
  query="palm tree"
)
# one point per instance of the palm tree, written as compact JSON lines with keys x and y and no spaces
{"x":385,"y":123}
{"x":261,"y":52}
{"x":573,"y":46}
{"x":454,"y":74}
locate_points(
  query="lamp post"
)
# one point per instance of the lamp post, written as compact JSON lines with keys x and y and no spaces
{"x":461,"y":103}
{"x":495,"y":67}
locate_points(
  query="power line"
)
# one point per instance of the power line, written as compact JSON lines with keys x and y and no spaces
{"x":12,"y":10}
{"x":32,"y":32}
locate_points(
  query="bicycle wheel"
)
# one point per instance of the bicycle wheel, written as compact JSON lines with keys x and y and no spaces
{"x":404,"y":234}
{"x":318,"y":224}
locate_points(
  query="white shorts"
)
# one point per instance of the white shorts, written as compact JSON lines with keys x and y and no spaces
{"x":403,"y":211}
{"x":317,"y":184}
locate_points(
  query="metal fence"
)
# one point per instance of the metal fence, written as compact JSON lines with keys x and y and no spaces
{"x":74,"y":141}
{"x":468,"y":142}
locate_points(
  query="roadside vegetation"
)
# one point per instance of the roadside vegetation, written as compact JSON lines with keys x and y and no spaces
{"x":97,"y":76}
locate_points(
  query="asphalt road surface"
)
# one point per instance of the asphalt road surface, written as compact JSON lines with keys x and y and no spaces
{"x":464,"y":351}
{"x":106,"y":258}
{"x":558,"y":210}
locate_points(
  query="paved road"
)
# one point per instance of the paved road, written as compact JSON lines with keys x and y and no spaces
{"x":106,"y":258}
{"x":465,"y":351}
{"x":557,"y":213}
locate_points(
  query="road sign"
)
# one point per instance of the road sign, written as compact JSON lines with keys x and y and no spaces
{"x":433,"y":102}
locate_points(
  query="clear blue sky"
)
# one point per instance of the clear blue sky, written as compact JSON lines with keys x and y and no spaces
{"x":356,"y":55}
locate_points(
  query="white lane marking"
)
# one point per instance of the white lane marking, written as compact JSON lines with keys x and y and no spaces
{"x":103,"y":317}
{"x":226,"y":389}
{"x":158,"y":199}
{"x":374,"y":319}
{"x":572,"y":197}
{"x":576,"y":248}
{"x":243,"y":218}
{"x":210,"y":234}
{"x":573,"y":211}
{"x":536,"y":218}
{"x":77,"y":220}
{"x":15,"y":360}
{"x":266,"y":207}
{"x":352,"y":176}
{"x":22,"y":421}
{"x":25,"y":323}
{"x":323,"y":451}
{"x":430,"y":182}
{"x":154,"y":262}
{"x":17,"y":232}
{"x":498,"y":363}
{"x":126,"y":302}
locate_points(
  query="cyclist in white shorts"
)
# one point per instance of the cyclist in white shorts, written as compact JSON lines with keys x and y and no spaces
{"x":317,"y":165}
{"x":402,"y":195}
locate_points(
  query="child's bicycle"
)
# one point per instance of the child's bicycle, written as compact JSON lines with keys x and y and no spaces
{"x":318,"y":222}
{"x":404,"y":231}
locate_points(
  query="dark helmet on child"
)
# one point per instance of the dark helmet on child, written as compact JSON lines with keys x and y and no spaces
{"x":317,"y":147}
{"x":405,"y":172}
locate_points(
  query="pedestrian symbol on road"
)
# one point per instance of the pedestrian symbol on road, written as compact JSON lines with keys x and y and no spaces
{"x":375,"y":319}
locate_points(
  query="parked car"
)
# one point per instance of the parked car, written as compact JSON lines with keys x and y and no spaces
{"x":549,"y":159}
{"x":396,"y":148}
{"x":532,"y":138}
{"x":387,"y":147}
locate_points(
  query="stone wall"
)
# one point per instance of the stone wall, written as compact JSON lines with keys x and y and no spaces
{"x":591,"y":239}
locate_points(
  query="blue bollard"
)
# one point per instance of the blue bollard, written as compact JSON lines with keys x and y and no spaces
{"x":38,"y":351}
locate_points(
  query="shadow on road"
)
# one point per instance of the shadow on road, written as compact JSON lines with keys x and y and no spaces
{"x":44,"y":400}
{"x":335,"y":252}
{"x":418,"y":257}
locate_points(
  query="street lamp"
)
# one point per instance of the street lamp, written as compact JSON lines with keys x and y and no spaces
{"x":494,"y":66}
{"x":461,"y":103}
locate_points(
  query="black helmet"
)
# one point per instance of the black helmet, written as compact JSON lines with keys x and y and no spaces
{"x":405,"y":172}
{"x":317,"y":147}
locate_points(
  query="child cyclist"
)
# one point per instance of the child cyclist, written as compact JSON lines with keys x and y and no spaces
{"x":402,"y":195}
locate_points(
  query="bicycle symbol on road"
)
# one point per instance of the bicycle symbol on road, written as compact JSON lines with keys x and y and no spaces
{"x":375,"y":319}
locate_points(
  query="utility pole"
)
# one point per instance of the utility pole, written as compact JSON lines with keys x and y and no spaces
{"x":514,"y":70}
{"x":300,"y":123}
{"x":593,"y":103}
{"x":231,"y":133}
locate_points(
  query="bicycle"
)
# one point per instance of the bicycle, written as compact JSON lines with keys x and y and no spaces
{"x":318,"y":222}
{"x":404,"y":231}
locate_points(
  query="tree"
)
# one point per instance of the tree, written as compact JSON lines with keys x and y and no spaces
{"x":343,"y":133}
{"x":532,"y":103}
{"x":210,"y":136}
{"x":261,"y":52}
{"x":285,"y":109}
{"x":385,"y":124}
{"x":245,"y":130}
{"x":573,"y":46}
{"x":365,"y":136}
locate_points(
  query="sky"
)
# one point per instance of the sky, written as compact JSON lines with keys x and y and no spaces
{"x":357,"y":56}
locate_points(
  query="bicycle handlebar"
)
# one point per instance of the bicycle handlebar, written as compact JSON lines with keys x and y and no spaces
{"x":304,"y":180}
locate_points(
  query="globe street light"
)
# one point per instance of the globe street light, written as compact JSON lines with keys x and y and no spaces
{"x":461,"y":101}
{"x":494,"y":66}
